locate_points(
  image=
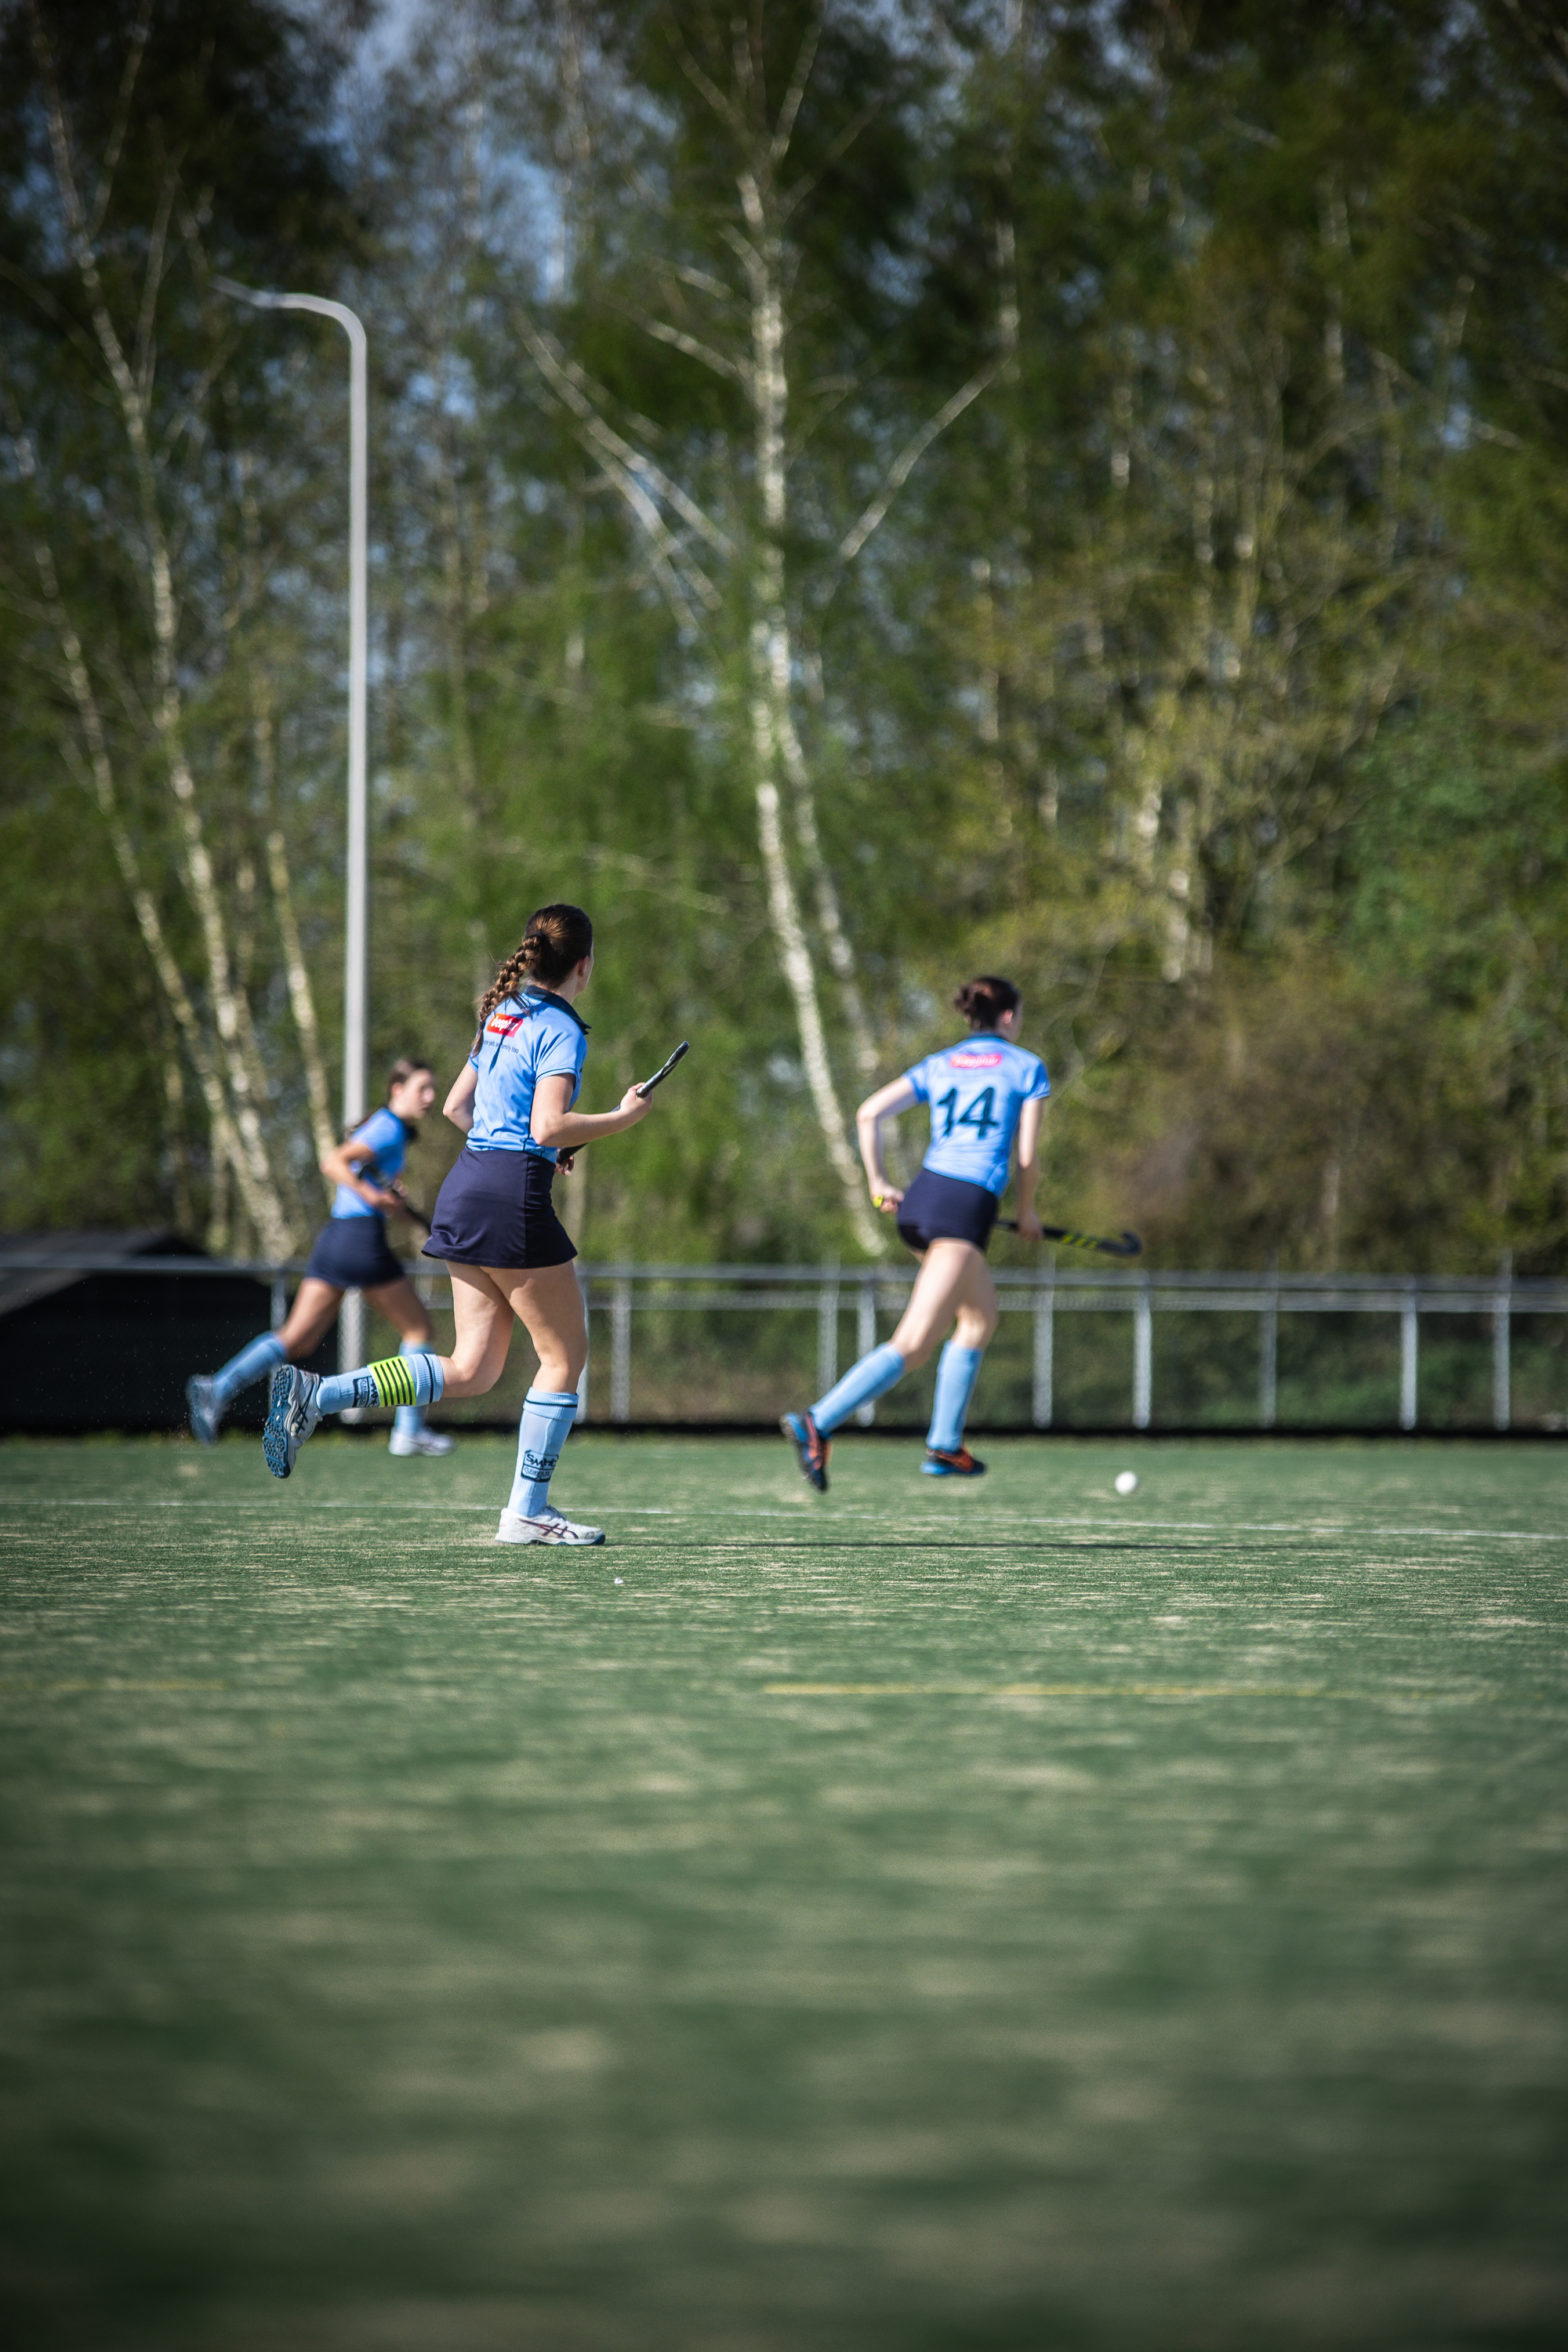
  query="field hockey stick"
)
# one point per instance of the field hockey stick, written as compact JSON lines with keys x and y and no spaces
{"x":1124,"y":1245}
{"x":659,"y":1076}
{"x":371,"y":1174}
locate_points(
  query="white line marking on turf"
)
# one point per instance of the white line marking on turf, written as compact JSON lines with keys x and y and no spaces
{"x":241,"y":1503}
{"x":913,"y":1526}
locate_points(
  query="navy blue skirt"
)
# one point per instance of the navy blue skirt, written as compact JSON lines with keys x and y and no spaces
{"x":352,"y":1253}
{"x":495,"y":1209}
{"x":946,"y":1209}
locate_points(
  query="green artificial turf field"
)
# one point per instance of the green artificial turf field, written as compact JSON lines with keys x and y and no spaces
{"x":990,"y":1917}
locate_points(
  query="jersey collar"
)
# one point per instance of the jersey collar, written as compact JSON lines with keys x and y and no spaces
{"x":548,"y":996}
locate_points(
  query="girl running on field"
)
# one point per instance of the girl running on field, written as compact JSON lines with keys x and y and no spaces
{"x":350,"y":1253}
{"x":981,"y":1093}
{"x":496,"y":1227}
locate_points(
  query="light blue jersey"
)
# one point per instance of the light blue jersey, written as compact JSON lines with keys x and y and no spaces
{"x":976,"y":1092}
{"x":527,"y":1037}
{"x":385,"y":1138}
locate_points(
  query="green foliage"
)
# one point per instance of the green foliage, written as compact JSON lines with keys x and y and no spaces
{"x":1204,"y":668}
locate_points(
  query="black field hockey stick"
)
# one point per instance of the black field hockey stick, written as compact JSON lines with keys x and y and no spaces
{"x":1122,"y":1245}
{"x":659,"y":1076}
{"x":371,"y":1174}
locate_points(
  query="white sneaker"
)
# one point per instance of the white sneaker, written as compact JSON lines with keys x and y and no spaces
{"x":549,"y":1528}
{"x":419,"y":1440}
{"x":291,"y":1416}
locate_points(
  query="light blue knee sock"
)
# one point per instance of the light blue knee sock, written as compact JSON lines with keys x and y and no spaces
{"x":397,"y":1379}
{"x":409,"y":1419}
{"x":547,"y":1416}
{"x":255,"y":1360}
{"x":869,"y":1378}
{"x":956,"y":1372}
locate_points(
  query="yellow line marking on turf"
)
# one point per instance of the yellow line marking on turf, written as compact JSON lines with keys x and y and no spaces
{"x":52,"y":1690}
{"x":1299,"y":1527}
{"x":1087,"y":1690}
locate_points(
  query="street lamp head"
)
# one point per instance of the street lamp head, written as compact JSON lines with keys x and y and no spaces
{"x":247,"y":294}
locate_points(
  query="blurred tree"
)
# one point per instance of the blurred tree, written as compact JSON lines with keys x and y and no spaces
{"x":143,"y":141}
{"x":861,"y":491}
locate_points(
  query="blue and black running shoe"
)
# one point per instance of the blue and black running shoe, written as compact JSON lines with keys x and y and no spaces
{"x":291,"y":1416}
{"x":811,"y":1448}
{"x":940,"y":1463}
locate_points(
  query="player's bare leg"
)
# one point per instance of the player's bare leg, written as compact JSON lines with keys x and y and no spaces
{"x":548,"y":1302}
{"x":954,"y":1280}
{"x":975,"y":1315}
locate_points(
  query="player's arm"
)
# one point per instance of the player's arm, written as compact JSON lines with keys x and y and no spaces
{"x":1029,"y":1121}
{"x":342,"y":1165}
{"x":458,"y":1105}
{"x":886,"y":1103}
{"x":553,"y":1121}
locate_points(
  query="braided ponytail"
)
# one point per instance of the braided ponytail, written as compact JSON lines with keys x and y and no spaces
{"x":556,"y":937}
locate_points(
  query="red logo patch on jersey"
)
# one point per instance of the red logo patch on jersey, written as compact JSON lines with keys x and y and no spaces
{"x":974,"y":1061}
{"x":503,"y":1023}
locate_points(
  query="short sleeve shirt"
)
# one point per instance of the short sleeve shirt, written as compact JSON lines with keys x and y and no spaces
{"x":385,"y":1138}
{"x":976,"y":1091}
{"x":527,"y":1037}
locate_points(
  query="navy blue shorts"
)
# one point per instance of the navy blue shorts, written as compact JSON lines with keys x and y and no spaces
{"x":352,"y":1253}
{"x":495,"y":1209}
{"x":946,"y":1209}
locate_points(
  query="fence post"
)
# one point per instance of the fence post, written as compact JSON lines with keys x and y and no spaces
{"x":351,"y":1344}
{"x":1142,"y":1357}
{"x":865,"y":1339}
{"x":827,"y":1329}
{"x":1409,"y":1343}
{"x":1501,"y":1401}
{"x":621,"y":1352}
{"x":1045,"y":1351}
{"x":280,"y":1302}
{"x":581,"y":1416}
{"x":1269,"y":1362}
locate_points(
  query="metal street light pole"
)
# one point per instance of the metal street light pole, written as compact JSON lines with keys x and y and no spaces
{"x":356,"y":988}
{"x":355,"y":929}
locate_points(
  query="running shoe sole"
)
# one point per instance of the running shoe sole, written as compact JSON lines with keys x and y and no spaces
{"x":291,"y":1391}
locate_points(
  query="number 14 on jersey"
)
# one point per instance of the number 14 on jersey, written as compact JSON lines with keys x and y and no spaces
{"x":979,"y":1112}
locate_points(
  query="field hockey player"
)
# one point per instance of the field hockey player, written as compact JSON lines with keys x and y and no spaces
{"x":982,"y":1092}
{"x":350,"y":1253}
{"x":495,"y":1225}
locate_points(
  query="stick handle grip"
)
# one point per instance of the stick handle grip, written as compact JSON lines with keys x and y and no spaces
{"x":659,"y":1076}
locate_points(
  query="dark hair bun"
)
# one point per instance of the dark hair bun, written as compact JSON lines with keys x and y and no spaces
{"x":982,"y":1002}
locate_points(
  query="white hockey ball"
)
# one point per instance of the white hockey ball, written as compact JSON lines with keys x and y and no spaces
{"x":1127,"y":1482}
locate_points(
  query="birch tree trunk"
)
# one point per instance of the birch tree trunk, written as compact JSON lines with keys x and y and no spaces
{"x":227,"y":1151}
{"x":262,"y":1198}
{"x":302,"y":1003}
{"x":773,"y":741}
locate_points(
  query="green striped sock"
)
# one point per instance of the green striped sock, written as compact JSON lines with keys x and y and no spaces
{"x":405,"y":1380}
{"x":400,"y":1381}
